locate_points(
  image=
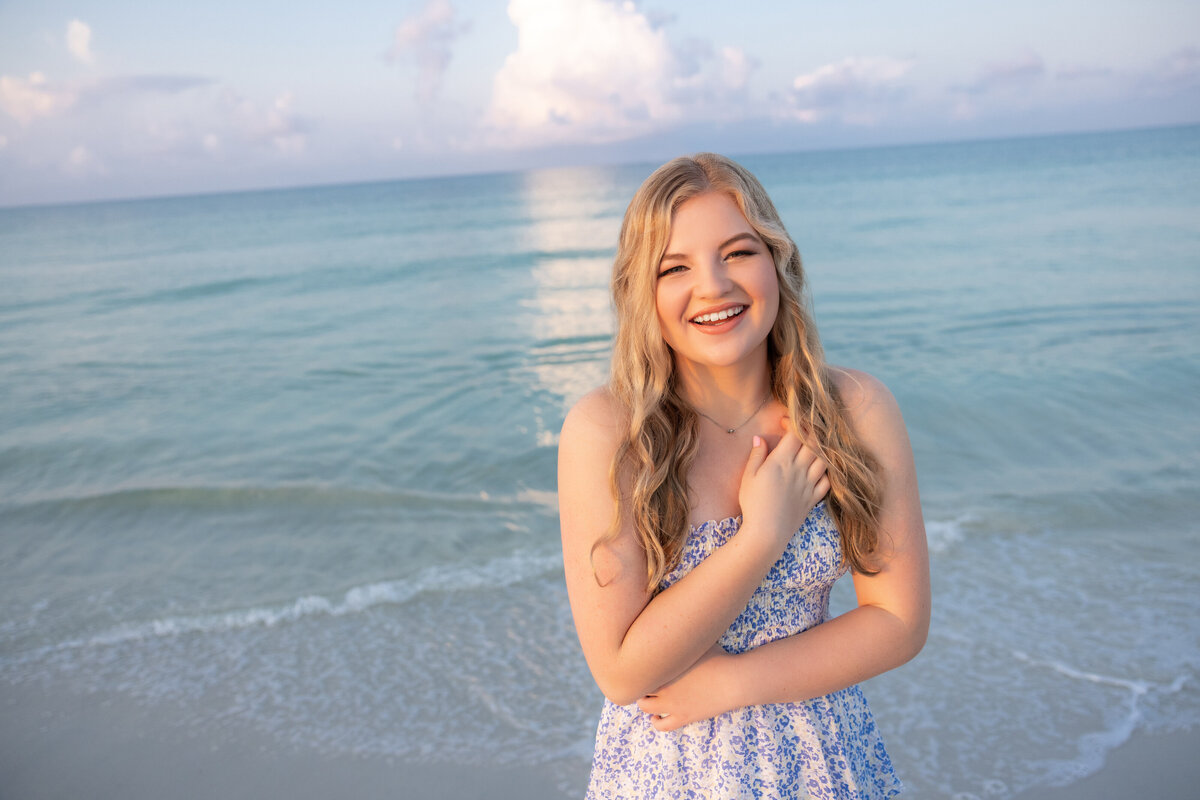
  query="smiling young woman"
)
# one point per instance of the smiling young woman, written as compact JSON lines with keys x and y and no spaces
{"x":712,"y":493}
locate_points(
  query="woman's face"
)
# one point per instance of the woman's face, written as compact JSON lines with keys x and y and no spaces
{"x":717,"y":292}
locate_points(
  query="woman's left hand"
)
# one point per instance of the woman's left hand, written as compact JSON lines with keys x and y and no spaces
{"x":703,"y":692}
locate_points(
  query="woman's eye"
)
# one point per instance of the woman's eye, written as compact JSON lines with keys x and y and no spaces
{"x":740,"y":254}
{"x":669,"y":270}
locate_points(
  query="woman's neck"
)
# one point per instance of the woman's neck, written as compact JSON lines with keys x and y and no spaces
{"x":724,"y":394}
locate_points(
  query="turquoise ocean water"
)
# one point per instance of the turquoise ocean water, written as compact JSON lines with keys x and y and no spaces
{"x":287,"y":459}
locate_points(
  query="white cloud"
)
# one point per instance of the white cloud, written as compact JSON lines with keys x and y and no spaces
{"x":81,"y":162}
{"x":736,"y":67}
{"x":854,"y":90}
{"x":710,"y":83}
{"x":277,"y":127}
{"x":120,"y":124}
{"x":285,"y":128}
{"x":427,"y":38}
{"x":27,"y":99}
{"x":601,"y":71}
{"x":853,"y":74}
{"x":79,"y":40}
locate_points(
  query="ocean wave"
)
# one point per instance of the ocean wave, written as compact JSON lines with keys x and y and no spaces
{"x":496,"y":574}
{"x":209,"y":497}
{"x":183,"y":294}
{"x":942,"y":534}
{"x":1134,"y":315}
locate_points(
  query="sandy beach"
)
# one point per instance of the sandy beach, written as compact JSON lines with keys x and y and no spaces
{"x":1147,"y":767}
{"x":56,"y":745}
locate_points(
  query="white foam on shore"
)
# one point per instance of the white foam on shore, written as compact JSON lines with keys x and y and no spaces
{"x":1094,"y":747}
{"x":942,"y":534}
{"x":495,"y":574}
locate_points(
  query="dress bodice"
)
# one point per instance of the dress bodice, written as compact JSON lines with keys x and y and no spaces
{"x":794,"y":594}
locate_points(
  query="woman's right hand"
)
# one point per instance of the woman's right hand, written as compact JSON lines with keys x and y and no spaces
{"x":782,"y":485}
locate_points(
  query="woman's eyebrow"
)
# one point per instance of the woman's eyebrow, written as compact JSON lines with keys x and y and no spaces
{"x":721,"y":246}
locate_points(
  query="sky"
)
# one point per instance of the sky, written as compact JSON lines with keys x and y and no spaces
{"x":114,"y":99}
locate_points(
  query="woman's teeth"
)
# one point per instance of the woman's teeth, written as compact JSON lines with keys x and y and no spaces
{"x":720,"y":315}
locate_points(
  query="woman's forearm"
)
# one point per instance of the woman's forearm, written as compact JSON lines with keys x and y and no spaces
{"x":681,"y":623}
{"x":846,"y":650}
{"x":832,"y":656}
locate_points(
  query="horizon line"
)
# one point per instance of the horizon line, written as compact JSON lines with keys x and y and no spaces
{"x":434,"y":176}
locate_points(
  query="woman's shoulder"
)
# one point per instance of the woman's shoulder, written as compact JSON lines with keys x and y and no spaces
{"x":866,"y":399}
{"x":590,"y":438}
{"x":856,"y":387}
{"x":596,"y":418}
{"x":872,"y":409}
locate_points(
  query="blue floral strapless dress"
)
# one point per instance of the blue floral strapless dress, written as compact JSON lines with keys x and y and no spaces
{"x":827,"y":748}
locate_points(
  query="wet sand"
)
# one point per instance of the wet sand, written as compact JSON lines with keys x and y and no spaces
{"x":1147,"y":767}
{"x":58,"y":745}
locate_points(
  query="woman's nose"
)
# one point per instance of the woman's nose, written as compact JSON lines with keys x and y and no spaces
{"x":713,"y":279}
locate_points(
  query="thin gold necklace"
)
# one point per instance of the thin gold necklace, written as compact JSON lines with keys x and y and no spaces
{"x":740,"y":424}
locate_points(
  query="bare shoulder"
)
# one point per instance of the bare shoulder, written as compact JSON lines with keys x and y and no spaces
{"x":873,"y":413}
{"x":864,"y":396}
{"x":591,"y":434}
{"x":595,"y":420}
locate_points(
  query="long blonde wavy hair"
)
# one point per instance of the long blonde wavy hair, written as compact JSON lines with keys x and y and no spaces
{"x":650,"y":469}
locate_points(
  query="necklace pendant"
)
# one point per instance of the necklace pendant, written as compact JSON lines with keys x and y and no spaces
{"x":730,"y":430}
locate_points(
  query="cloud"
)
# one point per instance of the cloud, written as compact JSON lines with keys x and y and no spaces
{"x":1179,"y":70}
{"x":1002,"y":85}
{"x":220,"y":124}
{"x":601,"y":71}
{"x":736,"y":67}
{"x":286,"y":131}
{"x":27,"y":99}
{"x":79,"y":41}
{"x":1018,"y":73}
{"x":855,"y":90}
{"x":117,"y":124}
{"x":702,"y":77}
{"x":427,"y":37}
{"x":82,"y":162}
{"x":277,"y":126}
{"x":162,"y":84}
{"x":585,"y":68}
{"x":1082,"y":72}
